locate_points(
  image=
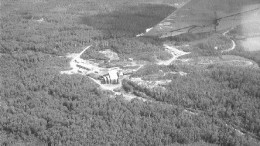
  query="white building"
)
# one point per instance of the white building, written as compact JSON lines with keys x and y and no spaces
{"x":112,"y":77}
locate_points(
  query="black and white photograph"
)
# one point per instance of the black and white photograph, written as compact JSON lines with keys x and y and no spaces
{"x":130,"y":72}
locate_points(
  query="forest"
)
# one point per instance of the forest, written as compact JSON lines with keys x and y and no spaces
{"x":40,"y":106}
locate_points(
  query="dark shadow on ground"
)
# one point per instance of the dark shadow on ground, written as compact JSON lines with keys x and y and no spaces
{"x":128,"y":20}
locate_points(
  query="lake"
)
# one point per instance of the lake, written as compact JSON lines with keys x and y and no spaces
{"x":251,"y":44}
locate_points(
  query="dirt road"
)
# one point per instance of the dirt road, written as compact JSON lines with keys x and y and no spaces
{"x":76,"y":60}
{"x":175,"y":54}
{"x":233,"y":42}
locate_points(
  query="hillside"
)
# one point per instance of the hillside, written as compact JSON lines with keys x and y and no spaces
{"x":195,"y":89}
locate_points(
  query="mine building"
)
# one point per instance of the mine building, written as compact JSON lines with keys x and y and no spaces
{"x":112,"y":77}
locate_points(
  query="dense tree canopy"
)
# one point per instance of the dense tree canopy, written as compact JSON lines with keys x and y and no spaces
{"x":40,"y":106}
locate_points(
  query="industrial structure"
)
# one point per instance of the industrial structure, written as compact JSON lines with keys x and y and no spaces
{"x":112,"y":77}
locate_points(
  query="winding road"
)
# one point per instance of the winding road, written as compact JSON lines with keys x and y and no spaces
{"x":74,"y":61}
{"x":233,"y":42}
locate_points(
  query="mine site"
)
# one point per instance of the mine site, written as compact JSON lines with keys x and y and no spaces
{"x":110,"y":78}
{"x":117,"y":72}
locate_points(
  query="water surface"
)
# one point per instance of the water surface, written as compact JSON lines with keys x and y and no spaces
{"x":251,"y":44}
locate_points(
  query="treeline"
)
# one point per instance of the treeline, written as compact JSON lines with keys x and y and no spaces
{"x":45,"y":108}
{"x":20,"y":33}
{"x":154,"y":69}
{"x":134,"y":48}
{"x":201,"y":44}
{"x":251,"y":29}
{"x":40,"y":107}
{"x":240,"y":51}
{"x":187,"y":37}
{"x":230,"y":94}
{"x":127,"y":20}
